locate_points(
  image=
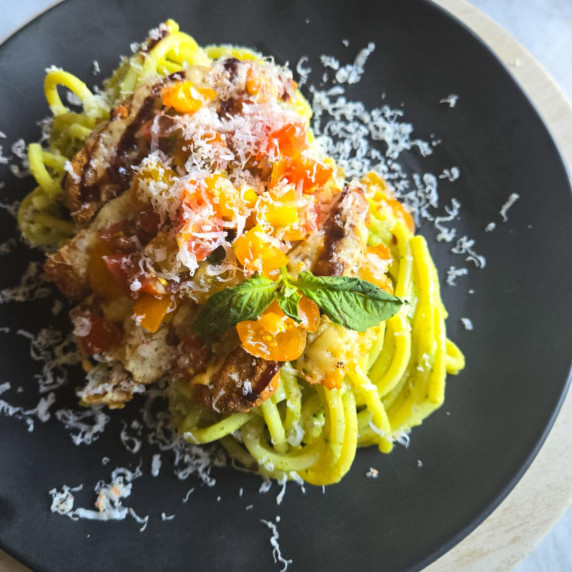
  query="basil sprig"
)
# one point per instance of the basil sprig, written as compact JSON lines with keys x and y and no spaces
{"x":350,"y":302}
{"x":245,"y":301}
{"x":288,"y":298}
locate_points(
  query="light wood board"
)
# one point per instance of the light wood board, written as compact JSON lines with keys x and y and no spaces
{"x":511,"y":532}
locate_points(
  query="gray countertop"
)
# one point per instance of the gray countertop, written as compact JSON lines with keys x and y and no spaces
{"x":544,"y":28}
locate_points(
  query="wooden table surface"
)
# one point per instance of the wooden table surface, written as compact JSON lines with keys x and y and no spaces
{"x":511,"y":532}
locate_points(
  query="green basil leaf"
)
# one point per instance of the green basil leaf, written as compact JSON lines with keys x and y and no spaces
{"x":288,"y":297}
{"x":245,"y":301}
{"x":350,"y":302}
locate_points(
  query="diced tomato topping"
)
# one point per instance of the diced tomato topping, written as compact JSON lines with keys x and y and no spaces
{"x":123,"y":267}
{"x":185,"y":97}
{"x":273,"y":336}
{"x":309,"y":313}
{"x":100,"y":279}
{"x":257,"y":254}
{"x":299,"y":170}
{"x":195,"y":237}
{"x":102,"y":336}
{"x":119,"y":236}
{"x":380,"y":250}
{"x":383,"y":281}
{"x":289,"y":140}
{"x":227,"y":200}
{"x":149,"y":311}
{"x":199,"y":222}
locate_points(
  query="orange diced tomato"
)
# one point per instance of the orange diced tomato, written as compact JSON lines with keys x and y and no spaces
{"x":371,"y":271}
{"x":294,"y":234}
{"x":185,"y":97}
{"x":195,"y":196}
{"x":227,"y":199}
{"x":254,"y":83}
{"x":102,"y":336}
{"x":255,"y":252}
{"x":200,"y":246}
{"x":199,"y":218}
{"x":380,"y":250}
{"x":278,"y":208}
{"x":289,"y":140}
{"x":99,"y":276}
{"x":260,"y":85}
{"x":121,"y":268}
{"x":300,"y":170}
{"x":150,"y":311}
{"x":383,"y":281}
{"x":309,"y":313}
{"x":273,"y":336}
{"x":152,"y":284}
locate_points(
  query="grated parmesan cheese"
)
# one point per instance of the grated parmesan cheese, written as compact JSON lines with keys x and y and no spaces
{"x":108,"y":503}
{"x":450,"y":100}
{"x":156,"y":465}
{"x":188,"y":494}
{"x":21,"y":167}
{"x":509,"y":202}
{"x":467,"y":323}
{"x":465,"y":246}
{"x":32,"y":286}
{"x":451,"y":174}
{"x":83,"y":427}
{"x":274,"y":542}
{"x":453,"y":273}
{"x":352,"y":73}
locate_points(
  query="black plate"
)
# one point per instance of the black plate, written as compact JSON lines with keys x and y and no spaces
{"x":497,"y":412}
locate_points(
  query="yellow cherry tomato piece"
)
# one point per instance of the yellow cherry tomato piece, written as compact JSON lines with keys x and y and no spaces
{"x":257,"y":254}
{"x":185,"y":97}
{"x":100,"y":279}
{"x":273,"y":336}
{"x":383,"y":281}
{"x":309,"y":313}
{"x":380,"y":250}
{"x":230,"y":201}
{"x":278,"y":208}
{"x":150,"y":311}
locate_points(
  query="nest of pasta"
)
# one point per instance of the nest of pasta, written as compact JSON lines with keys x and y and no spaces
{"x":209,"y":245}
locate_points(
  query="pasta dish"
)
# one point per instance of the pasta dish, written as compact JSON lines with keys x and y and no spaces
{"x":210,"y":247}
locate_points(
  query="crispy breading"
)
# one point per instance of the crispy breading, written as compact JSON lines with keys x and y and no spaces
{"x":104,"y":165}
{"x":239,"y":382}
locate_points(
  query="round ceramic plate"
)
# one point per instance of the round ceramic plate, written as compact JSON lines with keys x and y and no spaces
{"x":467,"y":456}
